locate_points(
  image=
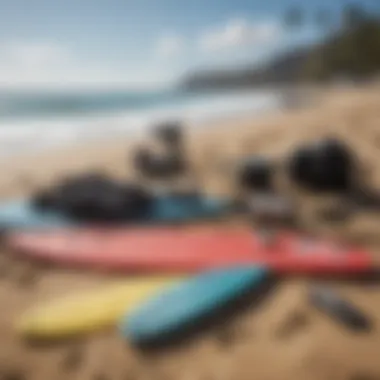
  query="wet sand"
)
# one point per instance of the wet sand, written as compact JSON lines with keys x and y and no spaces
{"x":285,"y":338}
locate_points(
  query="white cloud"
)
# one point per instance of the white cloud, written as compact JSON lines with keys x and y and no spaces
{"x":169,"y":46}
{"x":239,"y":33}
{"x":34,"y":53}
{"x":49,"y":65}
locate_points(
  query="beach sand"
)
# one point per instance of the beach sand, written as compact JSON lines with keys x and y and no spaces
{"x":285,"y":338}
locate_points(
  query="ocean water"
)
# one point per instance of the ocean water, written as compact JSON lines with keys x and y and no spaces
{"x":35,"y":121}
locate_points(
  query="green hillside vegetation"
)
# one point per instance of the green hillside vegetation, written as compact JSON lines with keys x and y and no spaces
{"x":349,"y":50}
{"x":353,"y":51}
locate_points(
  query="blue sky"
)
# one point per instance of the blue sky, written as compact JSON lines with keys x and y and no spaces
{"x":141,"y":42}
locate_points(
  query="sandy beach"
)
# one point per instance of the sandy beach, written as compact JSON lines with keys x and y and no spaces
{"x":285,"y":338}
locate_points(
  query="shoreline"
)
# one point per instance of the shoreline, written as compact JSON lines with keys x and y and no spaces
{"x":49,"y":132}
{"x":120,"y":128}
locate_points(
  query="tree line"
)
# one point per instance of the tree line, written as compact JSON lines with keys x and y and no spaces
{"x":350,"y":46}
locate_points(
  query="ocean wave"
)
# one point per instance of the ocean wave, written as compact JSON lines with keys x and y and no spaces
{"x":24,"y":134}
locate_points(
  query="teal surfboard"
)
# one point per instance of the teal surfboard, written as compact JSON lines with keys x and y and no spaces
{"x":188,"y":302}
{"x":20,"y":214}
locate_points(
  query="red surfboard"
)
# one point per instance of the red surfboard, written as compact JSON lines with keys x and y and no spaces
{"x":185,"y":251}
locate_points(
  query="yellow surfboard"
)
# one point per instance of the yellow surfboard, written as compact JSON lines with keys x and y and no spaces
{"x":83,"y":313}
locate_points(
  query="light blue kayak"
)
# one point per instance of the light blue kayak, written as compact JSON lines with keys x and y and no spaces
{"x":186,"y":303}
{"x":20,"y":214}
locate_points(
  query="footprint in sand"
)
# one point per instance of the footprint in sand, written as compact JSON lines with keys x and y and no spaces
{"x":25,"y":276}
{"x":73,"y":359}
{"x":99,"y":376}
{"x":7,"y":265}
{"x":293,"y":324}
{"x":3,"y":269}
{"x":12,"y":374}
{"x":364,"y":376}
{"x":226,"y":336}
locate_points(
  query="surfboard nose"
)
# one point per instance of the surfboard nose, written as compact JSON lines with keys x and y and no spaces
{"x":190,"y":302}
{"x":27,"y":326}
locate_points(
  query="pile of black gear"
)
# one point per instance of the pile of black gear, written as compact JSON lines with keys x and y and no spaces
{"x":168,"y":165}
{"x":256,"y":173}
{"x":171,"y":134}
{"x":325,"y":166}
{"x":94,"y":197}
{"x":155,"y":166}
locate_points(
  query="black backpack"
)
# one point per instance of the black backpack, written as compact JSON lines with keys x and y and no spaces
{"x":95,"y":198}
{"x":324,"y":166}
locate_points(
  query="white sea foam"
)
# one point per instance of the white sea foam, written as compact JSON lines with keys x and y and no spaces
{"x":37,"y":133}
